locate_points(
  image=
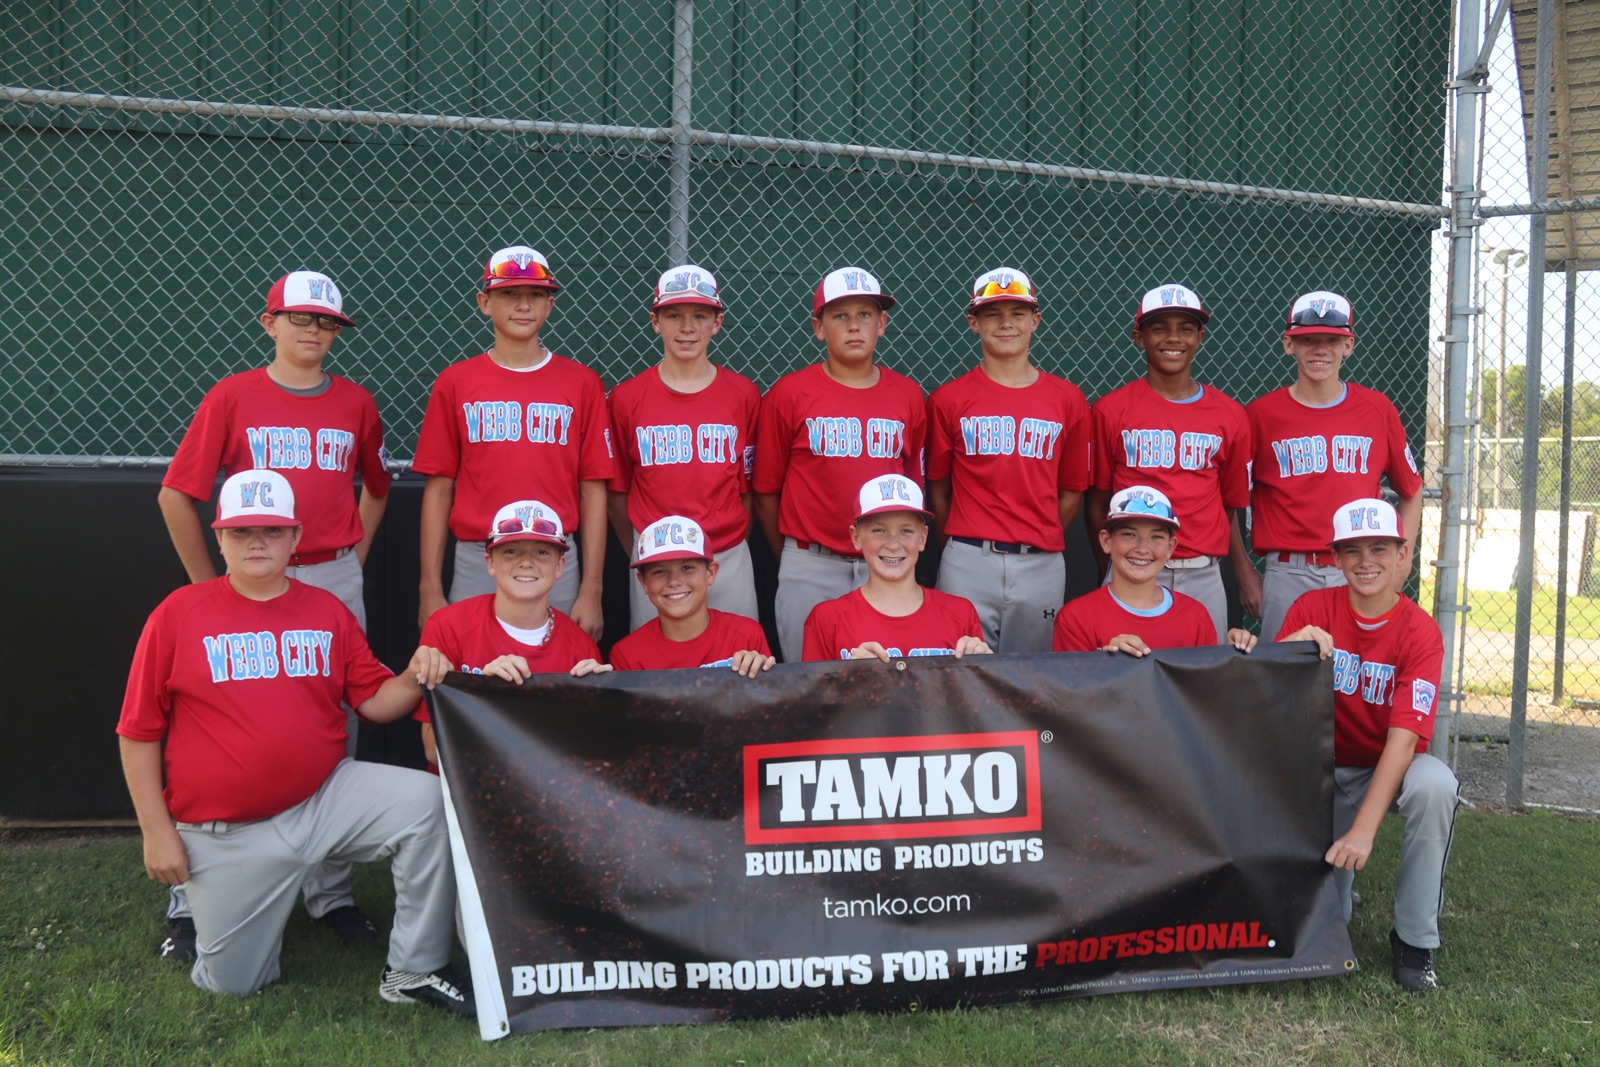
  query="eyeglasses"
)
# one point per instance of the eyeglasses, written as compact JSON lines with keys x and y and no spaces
{"x":1014,"y":286}
{"x":1318,"y":313}
{"x":530,"y":271}
{"x":1144,"y":505}
{"x":682,"y":283}
{"x":536,"y":525}
{"x":306,"y":318}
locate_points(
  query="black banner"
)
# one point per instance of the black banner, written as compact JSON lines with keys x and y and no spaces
{"x":654,"y":847}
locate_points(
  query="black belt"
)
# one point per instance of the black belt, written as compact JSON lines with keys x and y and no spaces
{"x":1005,"y":548}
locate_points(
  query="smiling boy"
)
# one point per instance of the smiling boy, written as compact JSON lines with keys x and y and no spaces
{"x":1190,"y":441}
{"x":674,"y":566}
{"x":1008,"y":461}
{"x":685,"y":435}
{"x":824,"y":429}
{"x":1387,"y":654}
{"x":518,"y":421}
{"x":1317,"y":440}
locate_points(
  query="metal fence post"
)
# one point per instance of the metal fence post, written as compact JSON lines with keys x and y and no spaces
{"x":1569,"y":344}
{"x":682,"y":118}
{"x":1467,"y":88}
{"x":1538,"y":189}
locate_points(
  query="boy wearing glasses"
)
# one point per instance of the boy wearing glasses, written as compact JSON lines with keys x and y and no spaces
{"x":1317,"y":440}
{"x":1008,"y":461}
{"x":684,"y":431}
{"x":824,"y":430}
{"x":517,"y":421}
{"x":1133,"y":612}
{"x":513,"y":632}
{"x":1190,"y":441}
{"x":319,"y":430}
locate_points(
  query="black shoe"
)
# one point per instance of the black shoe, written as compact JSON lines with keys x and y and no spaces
{"x":352,"y":927}
{"x":445,"y":988}
{"x":178,"y":945}
{"x":1413,"y":966}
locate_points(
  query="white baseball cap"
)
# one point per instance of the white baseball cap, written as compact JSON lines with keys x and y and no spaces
{"x":890,"y":492}
{"x":518,"y":265}
{"x":526,"y":520}
{"x":1170,"y":297}
{"x":673,"y":537}
{"x":1368,"y":517}
{"x":688,"y":284}
{"x":1003,"y":283}
{"x":1142,"y":502}
{"x":1320,"y":312}
{"x":849,"y":281}
{"x":306,"y":290}
{"x":255,"y":498}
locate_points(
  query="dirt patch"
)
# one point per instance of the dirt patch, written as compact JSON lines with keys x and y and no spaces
{"x":1561,"y":753}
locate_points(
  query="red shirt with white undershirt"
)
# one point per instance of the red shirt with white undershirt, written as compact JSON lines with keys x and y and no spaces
{"x":820,"y":441}
{"x":1009,"y":454}
{"x":648,"y":649}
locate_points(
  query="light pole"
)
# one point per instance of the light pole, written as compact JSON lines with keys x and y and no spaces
{"x":1504,"y":257}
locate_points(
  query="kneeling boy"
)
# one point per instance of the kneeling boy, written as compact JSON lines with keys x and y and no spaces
{"x":1387,"y":654}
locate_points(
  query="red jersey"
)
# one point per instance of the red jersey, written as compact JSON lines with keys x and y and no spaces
{"x":470,"y":635}
{"x":686,"y":453}
{"x":648,"y":649}
{"x":820,"y":441}
{"x":834,"y":627}
{"x":1385,"y":671}
{"x":507,"y":435}
{"x":249,"y":422}
{"x":1196,"y":451}
{"x":1307,"y":461}
{"x":1009,"y":454}
{"x":246,"y":694}
{"x":1088,"y":623}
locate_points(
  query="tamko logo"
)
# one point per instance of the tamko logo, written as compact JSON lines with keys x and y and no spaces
{"x":876,"y":788}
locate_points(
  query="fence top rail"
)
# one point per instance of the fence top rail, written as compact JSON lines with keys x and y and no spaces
{"x":710,"y":138}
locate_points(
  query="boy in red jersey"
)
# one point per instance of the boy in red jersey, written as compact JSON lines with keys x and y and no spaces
{"x":673,"y":561}
{"x":1386,"y":659}
{"x":1008,"y":461}
{"x":824,"y":429}
{"x":1317,"y":440}
{"x":684,"y":432}
{"x":320,"y":431}
{"x":518,"y":421}
{"x":233,"y":746}
{"x":515,"y":631}
{"x":1190,"y":441}
{"x":1133,"y":613}
{"x":891,"y":615}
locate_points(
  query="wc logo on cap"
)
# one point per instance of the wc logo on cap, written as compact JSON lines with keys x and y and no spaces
{"x":669,"y":538}
{"x":890,"y":492}
{"x":1367,"y":517}
{"x":255,"y":498}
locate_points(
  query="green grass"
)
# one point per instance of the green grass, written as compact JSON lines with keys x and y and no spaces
{"x":1498,"y":611}
{"x":1520,"y":967}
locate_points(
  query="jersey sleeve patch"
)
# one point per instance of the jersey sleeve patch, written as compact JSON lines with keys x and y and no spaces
{"x":1422,"y":696}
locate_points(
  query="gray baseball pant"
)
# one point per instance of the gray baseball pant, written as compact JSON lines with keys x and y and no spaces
{"x":1017,"y":596}
{"x":243,"y":876}
{"x":807,"y":577}
{"x":1427,"y":802}
{"x":472,"y":576}
{"x":734,"y":591}
{"x":1283,"y":584}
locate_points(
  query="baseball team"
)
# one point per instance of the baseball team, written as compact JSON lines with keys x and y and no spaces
{"x":238,"y":725}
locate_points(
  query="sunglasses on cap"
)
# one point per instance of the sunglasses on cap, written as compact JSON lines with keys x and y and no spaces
{"x":682,"y":284}
{"x":510,"y":269}
{"x":538,"y":525}
{"x":1015,"y":287}
{"x":1143,"y":505}
{"x":1330,"y":315}
{"x":306,"y":318}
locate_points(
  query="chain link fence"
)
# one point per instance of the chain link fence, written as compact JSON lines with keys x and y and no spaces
{"x":1529,"y":728}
